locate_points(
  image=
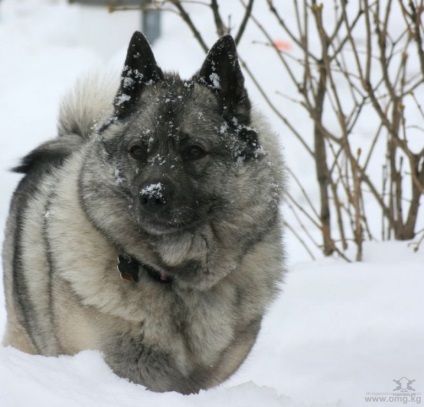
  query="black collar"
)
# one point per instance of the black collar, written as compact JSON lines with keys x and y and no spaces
{"x":129,"y":268}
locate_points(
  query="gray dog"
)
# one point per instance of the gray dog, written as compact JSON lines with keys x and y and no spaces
{"x":149,"y":228}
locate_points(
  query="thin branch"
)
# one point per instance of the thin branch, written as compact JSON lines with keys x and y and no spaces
{"x":219,"y":24}
{"x":416,"y":245}
{"x":303,"y":227}
{"x":293,"y":37}
{"x":298,"y":237}
{"x":273,"y":107}
{"x":299,"y":184}
{"x":247,"y":15}
{"x":186,"y":18}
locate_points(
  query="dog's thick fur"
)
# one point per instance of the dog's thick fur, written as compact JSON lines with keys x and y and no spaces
{"x":178,"y":177}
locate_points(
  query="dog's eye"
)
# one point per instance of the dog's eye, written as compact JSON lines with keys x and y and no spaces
{"x":137,"y":152}
{"x":193,"y":153}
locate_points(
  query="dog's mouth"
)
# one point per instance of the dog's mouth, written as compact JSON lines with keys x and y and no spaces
{"x":180,"y":221}
{"x":159,"y":229}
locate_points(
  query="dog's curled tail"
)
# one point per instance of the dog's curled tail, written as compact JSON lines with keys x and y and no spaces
{"x":82,"y":110}
{"x":87,"y":106}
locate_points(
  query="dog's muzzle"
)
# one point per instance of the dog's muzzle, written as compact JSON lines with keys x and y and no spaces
{"x":155,"y":196}
{"x":163,"y":209}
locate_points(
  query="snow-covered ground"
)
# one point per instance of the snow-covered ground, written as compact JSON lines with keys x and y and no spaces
{"x":337,"y":334}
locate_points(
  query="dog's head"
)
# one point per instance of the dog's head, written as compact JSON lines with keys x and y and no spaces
{"x":179,"y":158}
{"x":172,"y":141}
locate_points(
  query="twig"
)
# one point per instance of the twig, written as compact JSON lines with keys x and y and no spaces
{"x":274,"y":109}
{"x":416,"y":245}
{"x":247,"y":15}
{"x":303,"y":227}
{"x":308,"y":200}
{"x":186,"y":18}
{"x":219,"y":24}
{"x":288,"y":226}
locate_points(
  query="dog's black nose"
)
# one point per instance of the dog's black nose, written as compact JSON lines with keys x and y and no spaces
{"x":154,"y":196}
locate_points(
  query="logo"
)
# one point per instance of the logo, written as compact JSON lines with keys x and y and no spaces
{"x":403,"y":393}
{"x":404,"y":385}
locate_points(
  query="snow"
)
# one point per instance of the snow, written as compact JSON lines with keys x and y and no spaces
{"x":119,"y":178}
{"x":122,"y":98}
{"x":337,"y":332}
{"x":153,"y":190}
{"x":223,"y":129}
{"x":215,"y":80}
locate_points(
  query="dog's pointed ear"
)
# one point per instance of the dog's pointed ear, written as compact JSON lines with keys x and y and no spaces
{"x":140,"y":70}
{"x":222,"y":74}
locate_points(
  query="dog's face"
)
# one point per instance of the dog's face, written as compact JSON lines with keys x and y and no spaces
{"x":171,"y":158}
{"x":174,"y":143}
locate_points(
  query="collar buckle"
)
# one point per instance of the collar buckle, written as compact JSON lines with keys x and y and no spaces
{"x":128,"y":268}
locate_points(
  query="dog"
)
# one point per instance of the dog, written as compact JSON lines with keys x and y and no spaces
{"x":149,"y":228}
